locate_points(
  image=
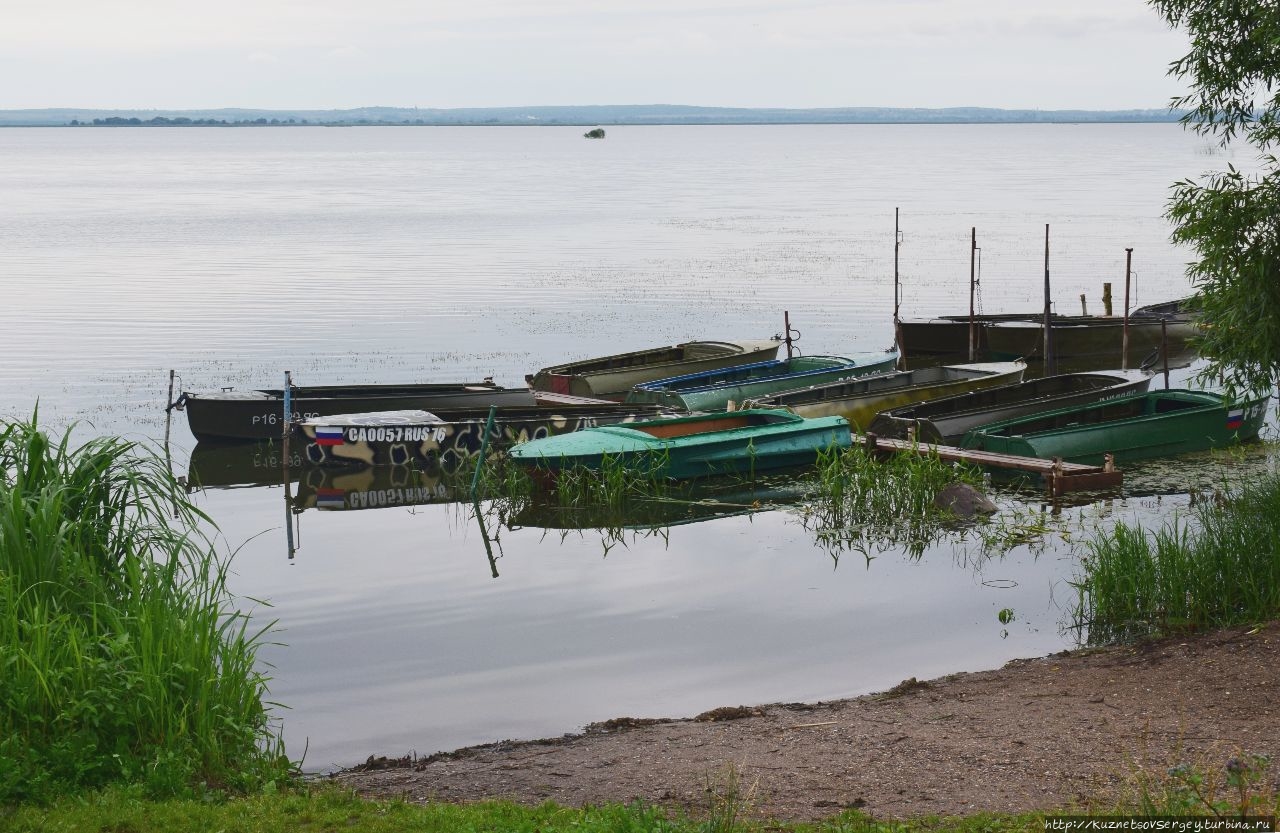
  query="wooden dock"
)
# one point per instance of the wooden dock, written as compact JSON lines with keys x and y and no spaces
{"x":1059,"y":477}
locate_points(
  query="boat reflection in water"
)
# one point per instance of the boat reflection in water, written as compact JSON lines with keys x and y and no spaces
{"x":316,"y":487}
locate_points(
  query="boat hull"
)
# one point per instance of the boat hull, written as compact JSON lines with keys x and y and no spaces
{"x":259,"y":414}
{"x":614,"y":376}
{"x":447,"y":440}
{"x":712,"y":390}
{"x":1091,"y":344}
{"x":733,"y":442}
{"x":948,"y":419}
{"x":859,"y":400}
{"x":1136,"y":427}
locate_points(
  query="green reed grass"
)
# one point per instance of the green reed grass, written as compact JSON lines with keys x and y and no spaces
{"x":121,"y":657}
{"x":863,"y":503}
{"x":1222,"y":570}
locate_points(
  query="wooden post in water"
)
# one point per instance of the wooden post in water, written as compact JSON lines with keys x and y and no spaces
{"x":1124,"y":338}
{"x":973,"y":324}
{"x":1084,"y":305}
{"x":284,"y":461}
{"x":1106,"y":298}
{"x":1050,"y":365}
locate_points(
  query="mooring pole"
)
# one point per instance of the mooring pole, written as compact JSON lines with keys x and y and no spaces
{"x":168,"y":420}
{"x":484,"y":449}
{"x":1124,"y":338}
{"x":1050,"y":365}
{"x":786,"y":328}
{"x":1164,"y":349}
{"x":897,"y":243}
{"x":897,"y":296}
{"x":973,"y":281}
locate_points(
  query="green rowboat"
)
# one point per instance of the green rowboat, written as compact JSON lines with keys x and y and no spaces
{"x":713,"y":390}
{"x":1135,"y":427}
{"x":725,"y":442}
{"x":859,"y":400}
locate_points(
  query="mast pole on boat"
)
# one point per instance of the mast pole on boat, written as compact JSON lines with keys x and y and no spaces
{"x":284,"y":461}
{"x":1050,"y":366}
{"x":1124,"y":339}
{"x":973,"y":324}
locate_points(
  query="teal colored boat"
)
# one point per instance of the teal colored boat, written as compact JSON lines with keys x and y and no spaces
{"x":1135,"y":427}
{"x":713,"y":390}
{"x":725,"y":442}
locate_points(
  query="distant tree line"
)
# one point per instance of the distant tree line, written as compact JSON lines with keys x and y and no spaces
{"x":179,"y":121}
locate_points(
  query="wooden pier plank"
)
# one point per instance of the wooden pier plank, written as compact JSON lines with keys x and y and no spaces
{"x":1059,"y":476}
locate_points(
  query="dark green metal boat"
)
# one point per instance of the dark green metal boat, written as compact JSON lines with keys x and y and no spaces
{"x":1139,"y":426}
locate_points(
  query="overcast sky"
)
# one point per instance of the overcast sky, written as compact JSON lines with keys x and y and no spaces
{"x":178,"y":54}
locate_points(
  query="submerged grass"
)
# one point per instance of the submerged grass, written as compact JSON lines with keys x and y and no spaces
{"x":122,"y":658}
{"x":1222,"y":570}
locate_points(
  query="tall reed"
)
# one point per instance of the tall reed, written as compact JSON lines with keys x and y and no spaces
{"x":122,"y":658}
{"x":1224,"y":569}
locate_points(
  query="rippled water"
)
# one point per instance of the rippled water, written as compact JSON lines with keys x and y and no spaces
{"x":397,"y":254}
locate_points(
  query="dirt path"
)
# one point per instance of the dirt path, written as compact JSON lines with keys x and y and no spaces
{"x":1035,"y":734}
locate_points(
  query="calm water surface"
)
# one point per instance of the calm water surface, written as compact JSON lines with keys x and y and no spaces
{"x":402,"y":254}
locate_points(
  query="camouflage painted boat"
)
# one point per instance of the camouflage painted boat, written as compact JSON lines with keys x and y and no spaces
{"x":1135,"y":427}
{"x":859,"y":400}
{"x":946,"y":420}
{"x":725,"y":442}
{"x":231,"y":415}
{"x":448,"y":439}
{"x":614,"y":376}
{"x":712,"y":390}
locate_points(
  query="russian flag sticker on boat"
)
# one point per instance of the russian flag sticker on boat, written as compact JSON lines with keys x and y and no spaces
{"x":328,"y":435}
{"x":331,"y":499}
{"x":1235,"y":418}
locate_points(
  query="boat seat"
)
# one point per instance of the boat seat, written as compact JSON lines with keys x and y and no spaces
{"x":685,"y":429}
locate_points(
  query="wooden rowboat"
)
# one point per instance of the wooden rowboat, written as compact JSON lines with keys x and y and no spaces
{"x":712,"y":390}
{"x":946,"y":420}
{"x":724,"y":442}
{"x":1153,"y":424}
{"x":612,"y":377}
{"x":859,"y":400}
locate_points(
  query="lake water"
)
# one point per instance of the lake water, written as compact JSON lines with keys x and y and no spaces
{"x":421,"y":254}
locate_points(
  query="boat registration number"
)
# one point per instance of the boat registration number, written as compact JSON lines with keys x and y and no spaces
{"x":396,"y":434}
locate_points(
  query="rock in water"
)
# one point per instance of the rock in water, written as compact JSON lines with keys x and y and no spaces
{"x":964,"y":501}
{"x":597,"y":133}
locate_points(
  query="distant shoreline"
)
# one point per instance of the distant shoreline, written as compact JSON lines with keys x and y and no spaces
{"x":567,"y":116}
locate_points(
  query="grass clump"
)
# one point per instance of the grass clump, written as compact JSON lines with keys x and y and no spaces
{"x":860,"y":502}
{"x":122,"y":660}
{"x":1223,"y":570}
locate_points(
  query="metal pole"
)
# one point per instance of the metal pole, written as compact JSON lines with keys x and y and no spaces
{"x":786,"y":328}
{"x":484,"y":448}
{"x":168,"y":420}
{"x":1124,"y":338}
{"x":897,"y":243}
{"x":1050,"y":366}
{"x":1164,"y":349}
{"x":973,"y":324}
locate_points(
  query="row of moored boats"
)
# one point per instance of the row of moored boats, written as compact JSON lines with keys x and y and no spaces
{"x":710,"y":407}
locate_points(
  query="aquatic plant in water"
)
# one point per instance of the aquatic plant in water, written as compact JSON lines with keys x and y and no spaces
{"x":864,"y":504}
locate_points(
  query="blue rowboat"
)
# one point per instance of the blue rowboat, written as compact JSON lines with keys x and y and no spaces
{"x":712,"y":390}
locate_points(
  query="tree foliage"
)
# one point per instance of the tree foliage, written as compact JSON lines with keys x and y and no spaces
{"x":1232,"y":218}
